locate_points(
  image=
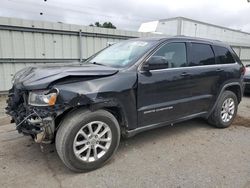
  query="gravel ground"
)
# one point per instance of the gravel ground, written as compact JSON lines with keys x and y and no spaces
{"x":244,"y":108}
{"x":189,"y":154}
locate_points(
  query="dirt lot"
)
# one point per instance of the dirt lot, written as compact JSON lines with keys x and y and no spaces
{"x":190,"y":154}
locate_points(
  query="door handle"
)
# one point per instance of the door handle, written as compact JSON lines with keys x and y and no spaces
{"x":185,"y":74}
{"x":219,"y":70}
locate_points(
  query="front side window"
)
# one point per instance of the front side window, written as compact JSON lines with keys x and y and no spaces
{"x":122,"y":54}
{"x":174,"y":53}
{"x":201,"y":54}
{"x":223,"y":55}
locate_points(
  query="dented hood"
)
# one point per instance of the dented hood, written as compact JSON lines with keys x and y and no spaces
{"x":40,"y":77}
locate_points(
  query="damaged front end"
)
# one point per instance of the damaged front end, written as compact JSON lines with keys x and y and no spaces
{"x":37,"y":108}
{"x":36,"y":121}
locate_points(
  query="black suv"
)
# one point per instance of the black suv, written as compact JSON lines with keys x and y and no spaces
{"x":127,"y":88}
{"x":247,"y":80}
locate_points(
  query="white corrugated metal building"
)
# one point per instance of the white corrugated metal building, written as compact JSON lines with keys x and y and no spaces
{"x":240,"y":41}
{"x":28,"y":43}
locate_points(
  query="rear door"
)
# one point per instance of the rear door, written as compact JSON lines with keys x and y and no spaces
{"x":230,"y":69}
{"x":227,"y":63}
{"x":205,"y":76}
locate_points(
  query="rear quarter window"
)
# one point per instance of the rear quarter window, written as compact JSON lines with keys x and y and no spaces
{"x":223,"y":55}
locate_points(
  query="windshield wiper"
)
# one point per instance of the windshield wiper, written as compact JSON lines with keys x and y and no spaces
{"x":95,"y":63}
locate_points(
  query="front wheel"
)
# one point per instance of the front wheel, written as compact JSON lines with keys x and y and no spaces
{"x":225,"y":110}
{"x":86,"y":140}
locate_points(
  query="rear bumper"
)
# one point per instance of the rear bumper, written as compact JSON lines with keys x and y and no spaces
{"x":247,"y":87}
{"x":246,"y":84}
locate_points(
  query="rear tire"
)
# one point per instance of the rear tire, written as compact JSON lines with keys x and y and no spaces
{"x":86,"y":140}
{"x":225,"y":110}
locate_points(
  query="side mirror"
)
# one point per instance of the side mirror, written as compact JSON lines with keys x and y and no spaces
{"x":155,"y":62}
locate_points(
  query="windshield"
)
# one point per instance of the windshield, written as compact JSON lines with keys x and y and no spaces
{"x":122,"y":54}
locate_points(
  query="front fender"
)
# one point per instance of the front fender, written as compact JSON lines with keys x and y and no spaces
{"x":114,"y":91}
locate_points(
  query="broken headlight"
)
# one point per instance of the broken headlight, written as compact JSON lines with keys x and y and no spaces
{"x":43,"y":98}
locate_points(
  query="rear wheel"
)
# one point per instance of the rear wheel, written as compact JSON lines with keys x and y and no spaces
{"x":225,"y":110}
{"x":86,"y":140}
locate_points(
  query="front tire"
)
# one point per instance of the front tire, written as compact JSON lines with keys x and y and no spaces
{"x":87,"y":140}
{"x":225,"y":110}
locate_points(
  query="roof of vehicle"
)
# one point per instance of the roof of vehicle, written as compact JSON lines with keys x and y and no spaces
{"x":180,"y":37}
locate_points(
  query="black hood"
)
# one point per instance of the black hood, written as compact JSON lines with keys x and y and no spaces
{"x":40,"y":77}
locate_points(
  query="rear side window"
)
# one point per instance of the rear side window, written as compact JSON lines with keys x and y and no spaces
{"x":223,"y":55}
{"x":201,"y":54}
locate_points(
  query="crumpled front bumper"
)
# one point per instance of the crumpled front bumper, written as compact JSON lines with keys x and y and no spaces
{"x":38,"y":122}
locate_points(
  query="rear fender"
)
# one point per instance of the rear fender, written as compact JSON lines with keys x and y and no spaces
{"x":221,"y":92}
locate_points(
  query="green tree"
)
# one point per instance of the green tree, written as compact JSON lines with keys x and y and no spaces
{"x":108,"y":25}
{"x":97,"y":24}
{"x":104,"y":25}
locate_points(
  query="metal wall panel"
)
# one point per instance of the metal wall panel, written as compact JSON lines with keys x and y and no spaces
{"x":26,"y":43}
{"x":245,"y":62}
{"x":169,"y":27}
{"x":203,"y":30}
{"x":236,"y":50}
{"x":239,"y":40}
{"x":6,"y":44}
{"x":245,"y":53}
{"x":7,"y":71}
{"x":39,"y":45}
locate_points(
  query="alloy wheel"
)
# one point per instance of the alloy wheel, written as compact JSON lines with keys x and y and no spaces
{"x":227,"y":110}
{"x":92,"y":141}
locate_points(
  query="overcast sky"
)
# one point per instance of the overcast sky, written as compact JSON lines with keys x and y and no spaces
{"x":129,"y":14}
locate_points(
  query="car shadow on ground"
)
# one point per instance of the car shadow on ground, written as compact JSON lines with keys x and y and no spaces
{"x":247,"y":95}
{"x":126,"y":145}
{"x":157,"y":134}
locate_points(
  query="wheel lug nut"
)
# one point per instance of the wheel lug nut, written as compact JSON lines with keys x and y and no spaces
{"x":96,"y":136}
{"x":88,"y":143}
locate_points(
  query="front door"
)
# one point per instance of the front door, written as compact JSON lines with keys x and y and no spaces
{"x":164,"y":94}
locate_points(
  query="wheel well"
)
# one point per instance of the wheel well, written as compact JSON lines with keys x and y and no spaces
{"x":117,"y":112}
{"x":60,"y":117}
{"x":235,"y":89}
